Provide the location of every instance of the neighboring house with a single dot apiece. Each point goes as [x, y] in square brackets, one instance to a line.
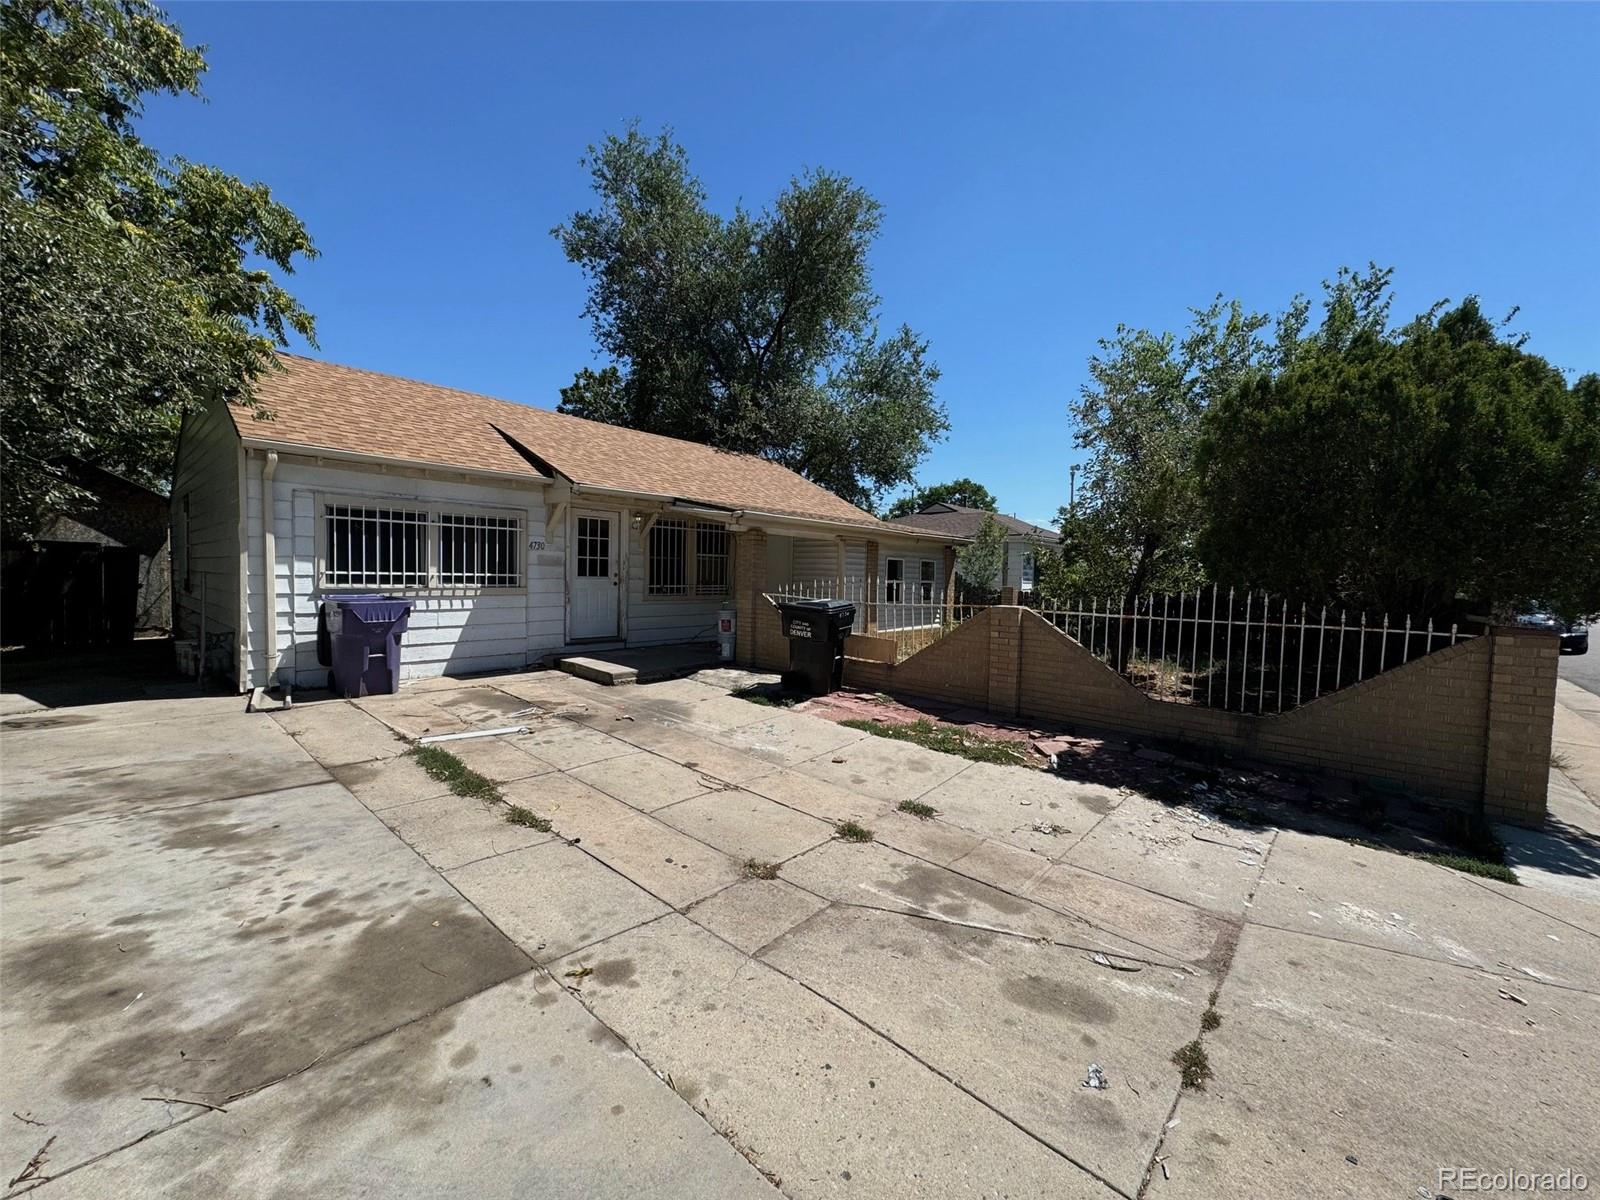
[953, 520]
[520, 532]
[92, 576]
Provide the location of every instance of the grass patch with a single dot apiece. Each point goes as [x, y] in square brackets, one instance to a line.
[945, 739]
[455, 774]
[1209, 1020]
[1480, 853]
[918, 809]
[852, 832]
[1468, 865]
[760, 870]
[518, 815]
[1193, 1065]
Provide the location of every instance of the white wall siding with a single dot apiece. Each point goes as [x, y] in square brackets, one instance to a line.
[205, 570]
[452, 631]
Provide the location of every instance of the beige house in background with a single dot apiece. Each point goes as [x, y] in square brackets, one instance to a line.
[954, 520]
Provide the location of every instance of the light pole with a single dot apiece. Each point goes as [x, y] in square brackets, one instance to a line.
[1072, 489]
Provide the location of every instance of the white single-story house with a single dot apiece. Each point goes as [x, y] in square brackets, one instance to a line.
[1017, 564]
[520, 533]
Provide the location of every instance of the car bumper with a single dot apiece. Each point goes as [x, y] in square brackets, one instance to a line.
[1575, 643]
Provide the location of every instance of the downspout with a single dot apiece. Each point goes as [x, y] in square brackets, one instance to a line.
[269, 564]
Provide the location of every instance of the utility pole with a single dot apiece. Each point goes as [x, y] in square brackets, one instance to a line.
[1072, 489]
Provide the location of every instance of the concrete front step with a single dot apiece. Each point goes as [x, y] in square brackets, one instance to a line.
[598, 671]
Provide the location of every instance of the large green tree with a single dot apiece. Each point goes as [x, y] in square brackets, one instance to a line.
[1399, 470]
[756, 332]
[966, 493]
[1137, 515]
[979, 562]
[134, 286]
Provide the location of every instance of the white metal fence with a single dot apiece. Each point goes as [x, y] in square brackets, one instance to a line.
[1248, 653]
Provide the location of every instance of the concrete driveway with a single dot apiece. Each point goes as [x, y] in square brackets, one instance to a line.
[390, 989]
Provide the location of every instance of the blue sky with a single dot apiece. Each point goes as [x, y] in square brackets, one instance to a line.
[1047, 171]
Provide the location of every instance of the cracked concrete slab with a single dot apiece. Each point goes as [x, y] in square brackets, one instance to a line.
[1009, 805]
[450, 831]
[644, 780]
[1333, 889]
[808, 1092]
[1343, 1071]
[499, 758]
[86, 766]
[385, 783]
[694, 751]
[753, 913]
[552, 899]
[1176, 851]
[746, 826]
[1015, 1022]
[466, 1085]
[202, 951]
[336, 733]
[822, 800]
[788, 738]
[565, 745]
[884, 768]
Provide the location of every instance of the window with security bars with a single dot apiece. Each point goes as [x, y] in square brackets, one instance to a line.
[479, 551]
[688, 559]
[593, 549]
[376, 547]
[367, 546]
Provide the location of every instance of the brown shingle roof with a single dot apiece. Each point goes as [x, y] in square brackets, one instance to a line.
[322, 405]
[959, 521]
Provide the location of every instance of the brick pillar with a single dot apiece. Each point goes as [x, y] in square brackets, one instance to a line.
[869, 623]
[1005, 660]
[1522, 706]
[949, 585]
[749, 584]
[1008, 595]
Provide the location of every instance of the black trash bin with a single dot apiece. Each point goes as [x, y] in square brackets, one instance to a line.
[364, 643]
[816, 630]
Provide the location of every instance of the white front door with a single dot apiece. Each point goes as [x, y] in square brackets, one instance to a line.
[595, 576]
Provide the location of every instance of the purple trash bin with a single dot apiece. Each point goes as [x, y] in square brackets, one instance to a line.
[364, 631]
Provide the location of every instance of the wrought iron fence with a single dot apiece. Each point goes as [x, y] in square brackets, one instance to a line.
[914, 614]
[1251, 653]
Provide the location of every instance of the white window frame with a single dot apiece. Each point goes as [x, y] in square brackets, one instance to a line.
[691, 563]
[434, 511]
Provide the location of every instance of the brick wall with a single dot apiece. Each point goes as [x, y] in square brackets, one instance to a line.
[1521, 710]
[1466, 723]
[758, 634]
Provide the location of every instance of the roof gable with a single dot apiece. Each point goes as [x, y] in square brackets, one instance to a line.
[321, 405]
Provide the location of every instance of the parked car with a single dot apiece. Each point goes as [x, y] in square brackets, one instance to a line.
[1574, 634]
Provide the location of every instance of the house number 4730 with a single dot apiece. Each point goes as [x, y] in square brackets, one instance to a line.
[536, 544]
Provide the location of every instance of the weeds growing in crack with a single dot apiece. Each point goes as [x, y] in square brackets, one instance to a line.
[918, 809]
[850, 831]
[526, 817]
[760, 870]
[455, 774]
[1193, 1065]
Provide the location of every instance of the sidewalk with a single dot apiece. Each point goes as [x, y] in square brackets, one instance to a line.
[1565, 856]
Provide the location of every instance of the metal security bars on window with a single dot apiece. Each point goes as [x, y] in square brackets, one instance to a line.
[405, 548]
[674, 572]
[376, 547]
[479, 551]
[1244, 652]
